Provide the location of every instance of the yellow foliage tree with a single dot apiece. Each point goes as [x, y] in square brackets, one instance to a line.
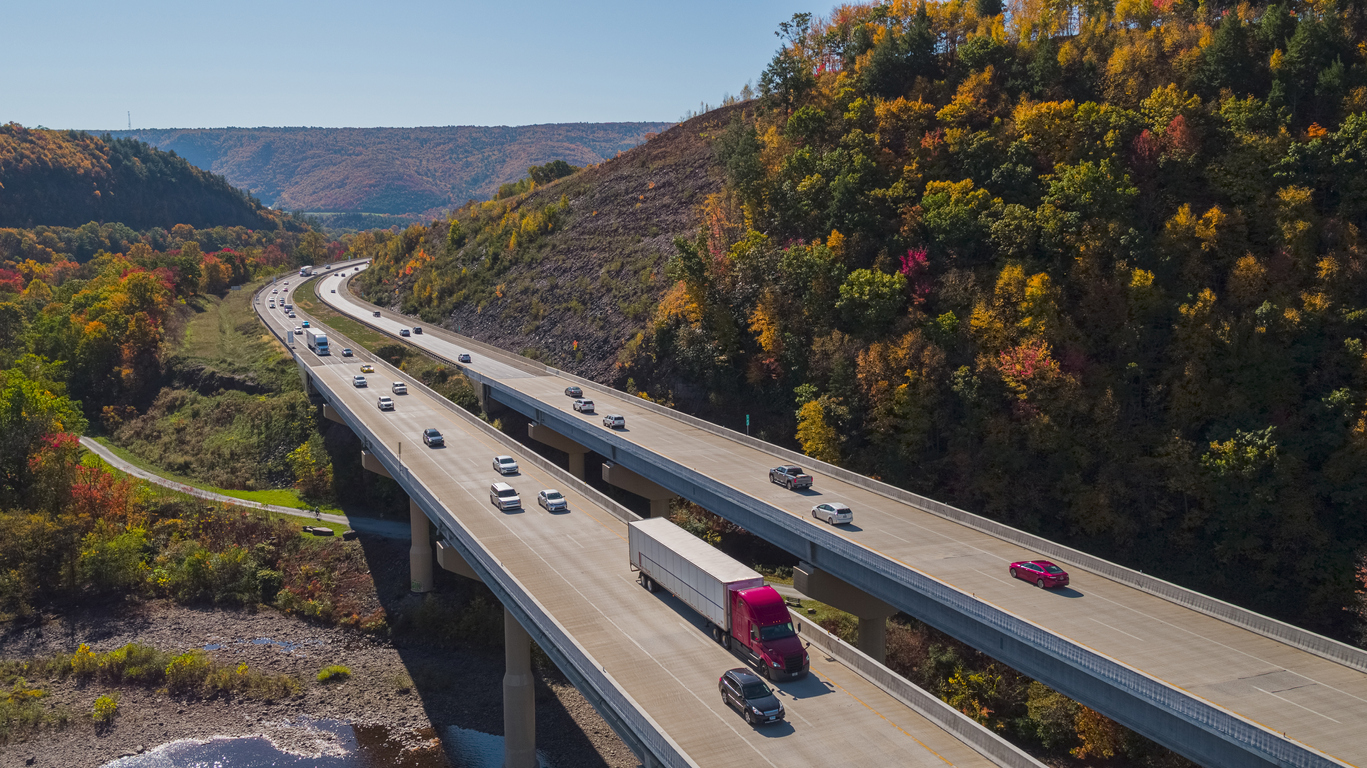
[816, 433]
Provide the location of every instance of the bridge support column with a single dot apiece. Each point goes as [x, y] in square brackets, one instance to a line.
[331, 414]
[659, 496]
[519, 701]
[449, 559]
[487, 403]
[372, 464]
[543, 434]
[872, 613]
[420, 552]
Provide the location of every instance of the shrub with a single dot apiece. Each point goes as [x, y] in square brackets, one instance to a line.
[111, 562]
[134, 663]
[333, 673]
[21, 710]
[188, 671]
[106, 707]
[85, 662]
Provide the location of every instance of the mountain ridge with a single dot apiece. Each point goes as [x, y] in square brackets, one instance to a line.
[397, 171]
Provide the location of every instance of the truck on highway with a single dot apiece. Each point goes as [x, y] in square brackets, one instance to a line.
[305, 271]
[742, 612]
[317, 341]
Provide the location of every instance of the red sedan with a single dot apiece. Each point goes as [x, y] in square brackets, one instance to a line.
[1041, 573]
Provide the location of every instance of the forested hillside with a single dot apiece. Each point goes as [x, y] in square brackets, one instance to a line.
[389, 170]
[67, 178]
[577, 259]
[1094, 271]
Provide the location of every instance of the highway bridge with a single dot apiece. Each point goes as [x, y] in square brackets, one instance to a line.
[1221, 685]
[643, 660]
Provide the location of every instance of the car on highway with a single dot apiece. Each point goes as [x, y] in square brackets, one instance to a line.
[403, 332]
[573, 392]
[463, 357]
[615, 421]
[400, 388]
[583, 406]
[552, 500]
[306, 324]
[290, 314]
[367, 368]
[298, 331]
[504, 496]
[790, 477]
[271, 304]
[334, 290]
[385, 402]
[1041, 573]
[742, 689]
[377, 314]
[505, 465]
[834, 513]
[358, 381]
[433, 438]
[275, 291]
[346, 351]
[417, 330]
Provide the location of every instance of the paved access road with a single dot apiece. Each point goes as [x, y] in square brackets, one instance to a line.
[1310, 699]
[576, 565]
[388, 529]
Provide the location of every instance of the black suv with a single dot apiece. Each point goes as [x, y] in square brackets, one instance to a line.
[742, 689]
[433, 438]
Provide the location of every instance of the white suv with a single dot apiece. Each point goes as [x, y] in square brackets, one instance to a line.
[505, 465]
[504, 496]
[583, 406]
[614, 421]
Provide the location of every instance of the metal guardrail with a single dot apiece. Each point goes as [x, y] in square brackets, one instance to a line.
[1280, 631]
[1227, 725]
[962, 727]
[568, 654]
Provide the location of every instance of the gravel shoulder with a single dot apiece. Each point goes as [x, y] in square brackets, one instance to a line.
[411, 690]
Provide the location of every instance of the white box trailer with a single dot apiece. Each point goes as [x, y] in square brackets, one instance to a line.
[689, 568]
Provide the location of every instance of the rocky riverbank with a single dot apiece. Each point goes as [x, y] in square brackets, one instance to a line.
[410, 689]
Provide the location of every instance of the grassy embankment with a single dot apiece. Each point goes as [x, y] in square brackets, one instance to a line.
[232, 410]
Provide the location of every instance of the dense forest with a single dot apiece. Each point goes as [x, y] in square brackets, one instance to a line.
[68, 178]
[1094, 271]
[389, 170]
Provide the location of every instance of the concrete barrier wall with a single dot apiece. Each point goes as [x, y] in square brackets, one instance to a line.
[638, 729]
[1278, 630]
[890, 580]
[967, 730]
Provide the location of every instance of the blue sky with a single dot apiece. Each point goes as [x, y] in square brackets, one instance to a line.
[194, 64]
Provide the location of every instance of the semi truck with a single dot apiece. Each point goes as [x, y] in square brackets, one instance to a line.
[317, 341]
[305, 271]
[742, 612]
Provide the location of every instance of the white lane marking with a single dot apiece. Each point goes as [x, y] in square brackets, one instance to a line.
[1117, 629]
[1294, 704]
[703, 439]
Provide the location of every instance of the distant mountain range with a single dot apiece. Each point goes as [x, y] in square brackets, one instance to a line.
[388, 170]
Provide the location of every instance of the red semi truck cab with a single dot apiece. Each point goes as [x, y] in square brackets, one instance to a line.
[761, 624]
[741, 611]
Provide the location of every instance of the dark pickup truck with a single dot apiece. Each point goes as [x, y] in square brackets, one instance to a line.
[790, 477]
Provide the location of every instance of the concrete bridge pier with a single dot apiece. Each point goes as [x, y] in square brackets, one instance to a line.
[545, 435]
[487, 403]
[419, 552]
[331, 414]
[872, 613]
[659, 496]
[519, 701]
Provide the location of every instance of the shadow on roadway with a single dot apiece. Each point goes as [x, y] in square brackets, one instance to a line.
[1065, 592]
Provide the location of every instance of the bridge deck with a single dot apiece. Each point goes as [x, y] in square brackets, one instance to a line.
[1310, 699]
[576, 565]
